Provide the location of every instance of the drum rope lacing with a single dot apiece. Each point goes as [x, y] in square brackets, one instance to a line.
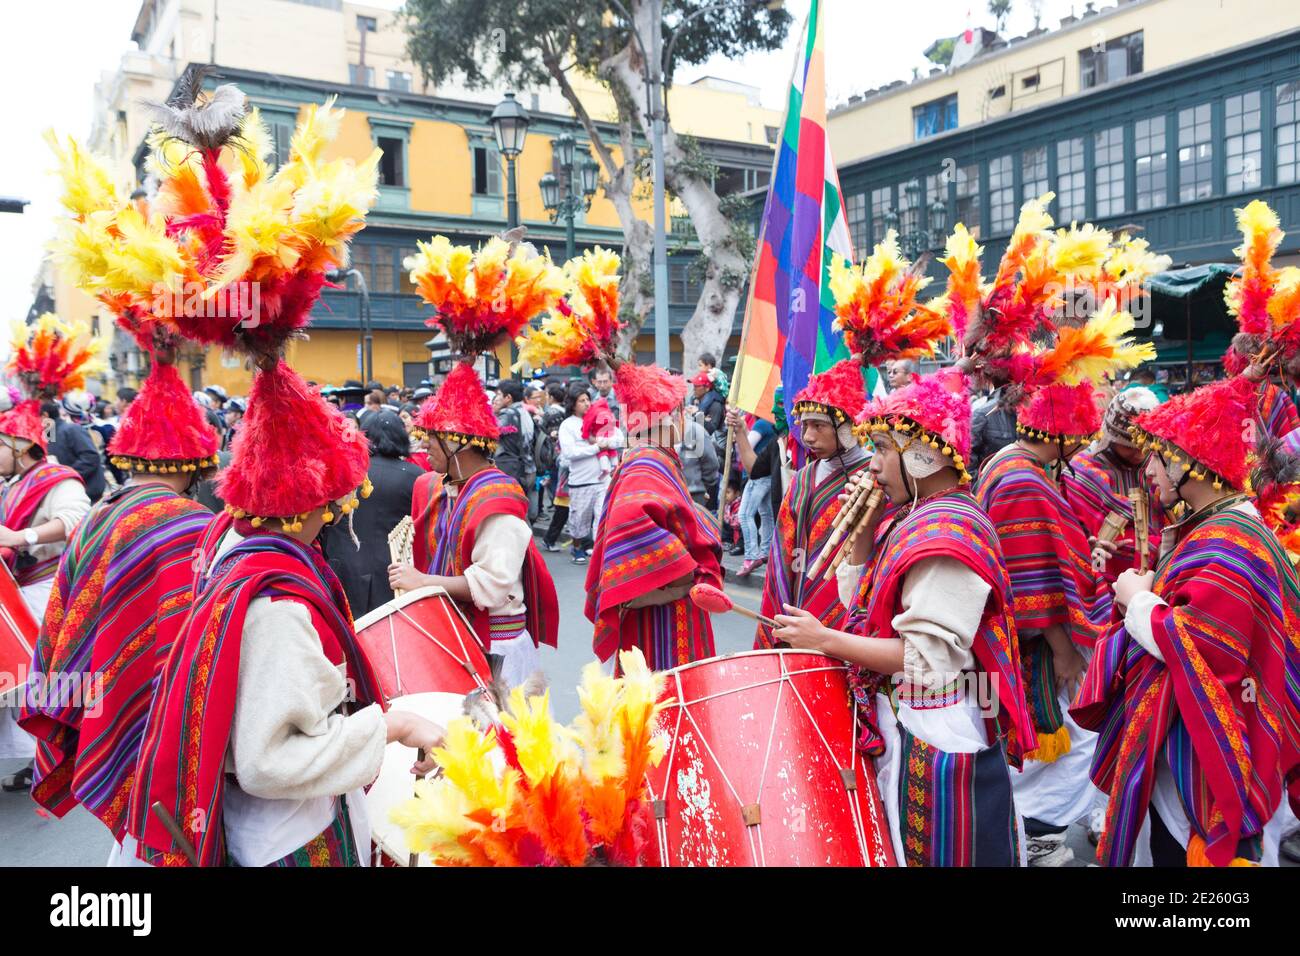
[397, 668]
[682, 705]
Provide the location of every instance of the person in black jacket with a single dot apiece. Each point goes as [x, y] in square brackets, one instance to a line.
[992, 429]
[514, 454]
[73, 446]
[712, 406]
[364, 570]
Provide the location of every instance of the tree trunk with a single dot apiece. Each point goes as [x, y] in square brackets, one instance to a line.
[709, 328]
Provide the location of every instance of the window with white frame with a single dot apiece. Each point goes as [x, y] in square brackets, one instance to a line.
[881, 200]
[1108, 170]
[1033, 173]
[1195, 154]
[1287, 132]
[1071, 185]
[1002, 194]
[855, 210]
[968, 198]
[1151, 160]
[1243, 143]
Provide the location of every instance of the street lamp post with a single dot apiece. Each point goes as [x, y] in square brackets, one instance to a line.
[564, 196]
[366, 358]
[510, 121]
[912, 239]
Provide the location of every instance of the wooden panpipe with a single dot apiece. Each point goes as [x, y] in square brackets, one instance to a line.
[848, 527]
[1141, 527]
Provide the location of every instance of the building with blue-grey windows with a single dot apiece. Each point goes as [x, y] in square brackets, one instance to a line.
[1170, 148]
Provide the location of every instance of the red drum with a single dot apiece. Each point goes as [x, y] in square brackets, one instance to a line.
[762, 769]
[18, 633]
[421, 643]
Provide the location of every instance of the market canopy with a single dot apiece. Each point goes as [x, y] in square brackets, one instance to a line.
[1186, 316]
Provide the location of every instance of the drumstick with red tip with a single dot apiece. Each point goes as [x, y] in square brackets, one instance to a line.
[715, 601]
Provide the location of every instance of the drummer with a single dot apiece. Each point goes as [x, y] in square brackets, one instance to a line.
[938, 584]
[267, 722]
[474, 518]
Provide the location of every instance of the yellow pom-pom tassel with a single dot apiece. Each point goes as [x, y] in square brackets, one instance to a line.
[257, 522]
[327, 517]
[1052, 747]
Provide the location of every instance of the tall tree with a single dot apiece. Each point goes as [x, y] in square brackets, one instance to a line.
[539, 42]
[1000, 9]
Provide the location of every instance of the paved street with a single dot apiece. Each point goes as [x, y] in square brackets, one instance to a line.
[27, 838]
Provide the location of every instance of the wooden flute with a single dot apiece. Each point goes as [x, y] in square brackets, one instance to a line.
[873, 502]
[1141, 527]
[844, 521]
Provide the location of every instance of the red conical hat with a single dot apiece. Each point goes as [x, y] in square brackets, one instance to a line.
[647, 394]
[24, 421]
[937, 405]
[460, 411]
[1206, 429]
[164, 429]
[294, 452]
[1068, 413]
[839, 392]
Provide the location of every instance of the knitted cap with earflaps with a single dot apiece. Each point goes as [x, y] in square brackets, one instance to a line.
[163, 429]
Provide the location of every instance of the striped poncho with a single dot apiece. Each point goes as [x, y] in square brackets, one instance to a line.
[1095, 484]
[652, 536]
[1223, 708]
[1052, 580]
[183, 755]
[952, 525]
[119, 599]
[803, 525]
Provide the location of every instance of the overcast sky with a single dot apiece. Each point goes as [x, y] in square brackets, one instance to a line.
[57, 49]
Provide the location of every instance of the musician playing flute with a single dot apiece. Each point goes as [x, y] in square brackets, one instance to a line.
[474, 518]
[931, 614]
[1193, 693]
[824, 412]
[1099, 482]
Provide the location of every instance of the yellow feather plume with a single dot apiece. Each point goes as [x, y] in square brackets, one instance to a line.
[147, 261]
[318, 128]
[1097, 349]
[465, 762]
[1079, 252]
[536, 738]
[436, 819]
[596, 729]
[88, 184]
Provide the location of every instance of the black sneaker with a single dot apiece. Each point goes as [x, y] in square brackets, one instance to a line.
[21, 782]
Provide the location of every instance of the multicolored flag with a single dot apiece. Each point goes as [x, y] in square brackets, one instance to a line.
[788, 331]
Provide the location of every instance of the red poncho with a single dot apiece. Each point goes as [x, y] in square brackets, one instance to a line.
[1223, 706]
[652, 536]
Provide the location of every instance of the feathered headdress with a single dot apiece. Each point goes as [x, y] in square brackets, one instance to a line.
[1276, 485]
[933, 409]
[1058, 381]
[49, 357]
[996, 320]
[1203, 431]
[164, 430]
[485, 298]
[876, 307]
[1096, 266]
[567, 796]
[583, 330]
[229, 254]
[1264, 299]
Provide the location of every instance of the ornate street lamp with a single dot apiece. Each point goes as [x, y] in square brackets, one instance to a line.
[510, 121]
[567, 195]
